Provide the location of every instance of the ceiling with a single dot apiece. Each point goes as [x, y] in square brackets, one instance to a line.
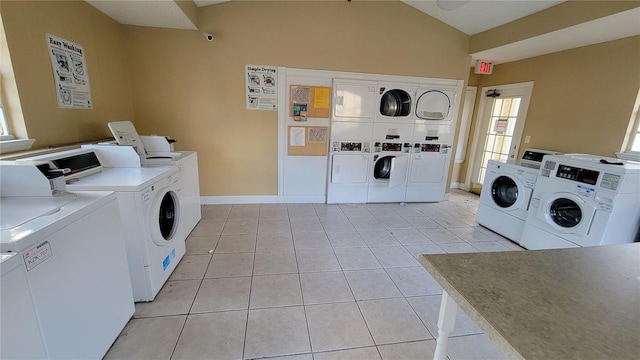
[468, 16]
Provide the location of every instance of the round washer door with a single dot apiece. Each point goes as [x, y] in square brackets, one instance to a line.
[382, 168]
[504, 191]
[433, 105]
[395, 102]
[565, 213]
[165, 217]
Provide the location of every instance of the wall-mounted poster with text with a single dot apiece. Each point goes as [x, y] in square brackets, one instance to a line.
[70, 73]
[262, 90]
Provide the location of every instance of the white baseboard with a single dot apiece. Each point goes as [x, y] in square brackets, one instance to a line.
[261, 199]
[455, 185]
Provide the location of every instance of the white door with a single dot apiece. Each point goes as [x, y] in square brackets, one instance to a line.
[349, 169]
[398, 174]
[501, 117]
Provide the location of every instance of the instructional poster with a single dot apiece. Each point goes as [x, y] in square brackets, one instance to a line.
[70, 73]
[262, 90]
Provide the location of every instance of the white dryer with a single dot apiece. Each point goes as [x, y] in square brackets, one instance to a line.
[583, 200]
[395, 102]
[428, 171]
[353, 100]
[389, 162]
[506, 193]
[348, 175]
[149, 209]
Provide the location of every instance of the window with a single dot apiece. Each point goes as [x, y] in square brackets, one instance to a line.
[631, 144]
[4, 131]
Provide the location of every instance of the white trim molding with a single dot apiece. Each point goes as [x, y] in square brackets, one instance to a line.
[261, 199]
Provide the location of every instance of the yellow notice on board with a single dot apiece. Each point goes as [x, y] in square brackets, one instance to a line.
[321, 98]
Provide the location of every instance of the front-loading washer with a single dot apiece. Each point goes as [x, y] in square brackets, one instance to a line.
[506, 194]
[149, 207]
[389, 162]
[583, 200]
[73, 250]
[395, 102]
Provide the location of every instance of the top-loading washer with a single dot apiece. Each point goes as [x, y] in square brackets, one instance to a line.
[73, 252]
[149, 210]
[353, 100]
[583, 200]
[506, 194]
[395, 102]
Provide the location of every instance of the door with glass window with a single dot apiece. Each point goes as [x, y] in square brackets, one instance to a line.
[501, 119]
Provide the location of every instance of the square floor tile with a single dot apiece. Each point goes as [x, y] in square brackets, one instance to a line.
[378, 238]
[417, 250]
[174, 298]
[371, 284]
[306, 223]
[428, 309]
[394, 256]
[404, 211]
[489, 246]
[201, 245]
[208, 228]
[345, 239]
[337, 326]
[274, 227]
[449, 221]
[356, 259]
[280, 213]
[274, 241]
[410, 237]
[325, 287]
[414, 281]
[411, 350]
[214, 215]
[275, 262]
[355, 211]
[337, 224]
[462, 247]
[236, 243]
[240, 227]
[366, 224]
[471, 234]
[212, 336]
[230, 265]
[392, 321]
[367, 353]
[152, 338]
[314, 260]
[310, 239]
[276, 332]
[275, 290]
[222, 294]
[243, 214]
[473, 347]
[441, 236]
[422, 222]
[191, 267]
[394, 222]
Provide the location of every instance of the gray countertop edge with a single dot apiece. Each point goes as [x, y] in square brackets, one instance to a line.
[488, 329]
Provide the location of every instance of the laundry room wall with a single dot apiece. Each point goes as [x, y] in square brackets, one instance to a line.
[582, 98]
[25, 24]
[194, 90]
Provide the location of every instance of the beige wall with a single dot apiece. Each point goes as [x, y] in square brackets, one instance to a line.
[194, 90]
[26, 23]
[582, 98]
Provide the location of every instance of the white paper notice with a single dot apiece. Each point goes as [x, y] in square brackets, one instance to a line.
[296, 136]
[70, 73]
[262, 91]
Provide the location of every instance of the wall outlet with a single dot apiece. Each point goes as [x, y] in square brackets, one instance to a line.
[527, 139]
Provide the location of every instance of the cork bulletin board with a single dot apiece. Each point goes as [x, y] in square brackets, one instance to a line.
[309, 102]
[307, 140]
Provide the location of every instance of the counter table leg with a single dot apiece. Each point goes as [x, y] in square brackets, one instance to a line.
[446, 323]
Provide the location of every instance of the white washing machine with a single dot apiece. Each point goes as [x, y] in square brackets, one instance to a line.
[395, 102]
[428, 171]
[506, 194]
[353, 100]
[349, 162]
[389, 162]
[435, 105]
[159, 151]
[21, 337]
[72, 248]
[583, 200]
[149, 209]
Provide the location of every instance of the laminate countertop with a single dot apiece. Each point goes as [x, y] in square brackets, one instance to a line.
[580, 303]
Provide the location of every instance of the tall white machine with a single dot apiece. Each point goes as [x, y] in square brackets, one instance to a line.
[350, 141]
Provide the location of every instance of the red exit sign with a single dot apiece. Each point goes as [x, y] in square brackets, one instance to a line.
[484, 67]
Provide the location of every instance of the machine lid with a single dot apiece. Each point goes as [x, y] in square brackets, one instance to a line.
[433, 105]
[20, 210]
[504, 191]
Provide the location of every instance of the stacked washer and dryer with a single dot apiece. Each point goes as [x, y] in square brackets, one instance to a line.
[390, 142]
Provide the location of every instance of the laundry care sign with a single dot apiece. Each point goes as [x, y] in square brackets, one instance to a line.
[262, 92]
[70, 73]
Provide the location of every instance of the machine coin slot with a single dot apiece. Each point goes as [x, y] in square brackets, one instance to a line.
[392, 137]
[351, 146]
[431, 138]
[391, 146]
[430, 148]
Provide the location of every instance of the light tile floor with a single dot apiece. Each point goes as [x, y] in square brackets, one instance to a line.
[312, 281]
